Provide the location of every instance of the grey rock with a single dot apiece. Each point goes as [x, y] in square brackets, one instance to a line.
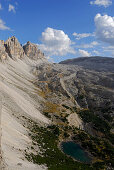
[14, 48]
[3, 54]
[32, 51]
[92, 63]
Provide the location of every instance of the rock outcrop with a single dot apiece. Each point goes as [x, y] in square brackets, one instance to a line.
[14, 48]
[32, 51]
[3, 54]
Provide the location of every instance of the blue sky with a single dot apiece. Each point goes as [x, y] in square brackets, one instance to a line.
[62, 28]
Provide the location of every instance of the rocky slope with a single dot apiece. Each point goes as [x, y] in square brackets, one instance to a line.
[67, 101]
[81, 96]
[82, 88]
[19, 101]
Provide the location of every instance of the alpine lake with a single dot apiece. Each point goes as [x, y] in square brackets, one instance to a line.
[74, 150]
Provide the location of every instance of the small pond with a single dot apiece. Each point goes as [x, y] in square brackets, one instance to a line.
[75, 151]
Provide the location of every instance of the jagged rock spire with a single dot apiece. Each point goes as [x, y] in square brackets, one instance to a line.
[32, 51]
[14, 48]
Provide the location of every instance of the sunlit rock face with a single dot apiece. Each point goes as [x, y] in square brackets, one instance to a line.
[14, 48]
[3, 54]
[32, 51]
[19, 102]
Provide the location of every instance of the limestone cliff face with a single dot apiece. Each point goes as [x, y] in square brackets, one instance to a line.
[3, 54]
[14, 48]
[32, 51]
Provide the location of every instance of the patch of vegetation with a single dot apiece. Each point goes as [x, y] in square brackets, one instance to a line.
[51, 107]
[48, 139]
[50, 155]
[111, 138]
[47, 114]
[101, 149]
[64, 119]
[67, 107]
[41, 93]
[108, 117]
[81, 96]
[66, 135]
[98, 124]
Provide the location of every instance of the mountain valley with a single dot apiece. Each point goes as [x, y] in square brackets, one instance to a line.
[43, 104]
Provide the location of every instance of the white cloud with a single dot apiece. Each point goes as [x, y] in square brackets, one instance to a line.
[84, 53]
[105, 28]
[91, 45]
[11, 8]
[104, 3]
[3, 26]
[96, 52]
[83, 35]
[108, 49]
[94, 43]
[1, 7]
[56, 42]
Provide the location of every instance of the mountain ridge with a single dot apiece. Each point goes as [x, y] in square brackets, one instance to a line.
[13, 49]
[93, 62]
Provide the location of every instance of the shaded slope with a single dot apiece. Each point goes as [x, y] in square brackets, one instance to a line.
[93, 63]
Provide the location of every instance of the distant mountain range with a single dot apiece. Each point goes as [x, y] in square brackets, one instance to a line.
[94, 63]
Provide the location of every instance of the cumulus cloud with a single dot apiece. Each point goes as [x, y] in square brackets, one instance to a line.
[84, 53]
[104, 3]
[11, 8]
[105, 28]
[3, 26]
[56, 42]
[83, 35]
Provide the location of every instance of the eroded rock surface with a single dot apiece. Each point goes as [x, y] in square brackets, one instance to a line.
[32, 51]
[19, 102]
[3, 54]
[14, 48]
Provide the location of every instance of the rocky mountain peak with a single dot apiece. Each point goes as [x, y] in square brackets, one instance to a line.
[32, 51]
[14, 48]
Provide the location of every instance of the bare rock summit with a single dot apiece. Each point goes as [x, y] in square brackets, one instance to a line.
[32, 51]
[14, 48]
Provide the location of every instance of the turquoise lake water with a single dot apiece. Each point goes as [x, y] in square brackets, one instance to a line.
[75, 151]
